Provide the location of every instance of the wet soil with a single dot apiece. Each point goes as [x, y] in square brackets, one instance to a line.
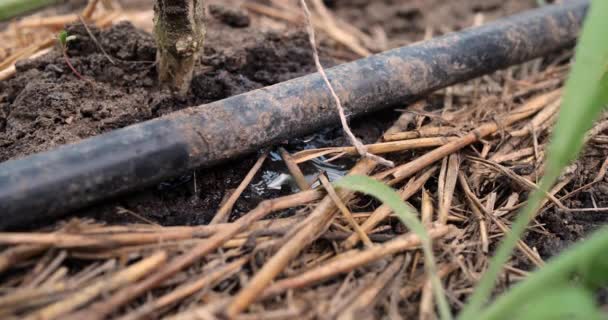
[47, 105]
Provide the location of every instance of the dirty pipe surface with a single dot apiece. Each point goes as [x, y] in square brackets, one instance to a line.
[46, 186]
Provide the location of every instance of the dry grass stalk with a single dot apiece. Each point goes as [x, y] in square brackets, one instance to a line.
[344, 210]
[338, 30]
[185, 290]
[87, 294]
[48, 269]
[426, 311]
[377, 148]
[353, 259]
[205, 312]
[272, 12]
[104, 308]
[223, 213]
[511, 205]
[55, 22]
[480, 132]
[481, 219]
[93, 271]
[335, 32]
[107, 19]
[16, 254]
[371, 294]
[26, 52]
[513, 156]
[88, 11]
[482, 215]
[448, 185]
[304, 233]
[535, 124]
[115, 238]
[531, 254]
[23, 298]
[597, 129]
[600, 176]
[529, 185]
[426, 208]
[424, 132]
[294, 170]
[384, 211]
[136, 251]
[418, 284]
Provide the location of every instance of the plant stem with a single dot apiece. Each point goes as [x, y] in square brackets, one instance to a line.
[12, 8]
[179, 29]
[66, 58]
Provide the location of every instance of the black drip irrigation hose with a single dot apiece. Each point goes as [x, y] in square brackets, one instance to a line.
[46, 186]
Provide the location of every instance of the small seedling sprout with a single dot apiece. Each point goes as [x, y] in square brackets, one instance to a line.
[63, 39]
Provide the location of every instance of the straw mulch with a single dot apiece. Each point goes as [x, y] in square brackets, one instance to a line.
[466, 157]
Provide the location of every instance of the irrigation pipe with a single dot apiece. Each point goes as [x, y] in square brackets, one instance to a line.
[46, 186]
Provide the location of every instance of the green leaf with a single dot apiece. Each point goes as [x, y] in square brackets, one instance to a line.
[63, 37]
[594, 272]
[567, 303]
[389, 197]
[574, 266]
[586, 92]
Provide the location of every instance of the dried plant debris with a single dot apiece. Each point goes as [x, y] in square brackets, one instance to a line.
[466, 158]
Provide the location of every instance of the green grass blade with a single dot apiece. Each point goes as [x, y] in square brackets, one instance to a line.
[389, 197]
[586, 260]
[585, 96]
[586, 92]
[567, 303]
[12, 8]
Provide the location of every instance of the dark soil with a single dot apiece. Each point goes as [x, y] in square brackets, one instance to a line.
[47, 105]
[566, 228]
